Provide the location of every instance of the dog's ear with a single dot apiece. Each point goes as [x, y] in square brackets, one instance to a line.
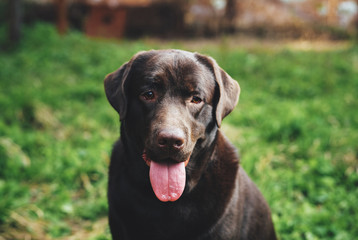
[115, 83]
[228, 89]
[114, 88]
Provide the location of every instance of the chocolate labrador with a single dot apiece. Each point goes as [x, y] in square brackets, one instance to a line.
[173, 174]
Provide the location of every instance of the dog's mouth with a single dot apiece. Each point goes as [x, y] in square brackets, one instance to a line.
[167, 178]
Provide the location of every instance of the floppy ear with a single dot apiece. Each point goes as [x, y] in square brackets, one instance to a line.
[114, 88]
[229, 89]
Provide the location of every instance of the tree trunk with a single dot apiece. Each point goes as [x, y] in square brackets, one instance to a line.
[230, 14]
[15, 11]
[62, 23]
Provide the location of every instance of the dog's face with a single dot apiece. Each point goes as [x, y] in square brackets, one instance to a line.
[169, 101]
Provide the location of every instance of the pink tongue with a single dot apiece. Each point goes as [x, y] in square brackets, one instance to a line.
[168, 180]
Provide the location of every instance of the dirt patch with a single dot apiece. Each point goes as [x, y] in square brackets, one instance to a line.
[253, 43]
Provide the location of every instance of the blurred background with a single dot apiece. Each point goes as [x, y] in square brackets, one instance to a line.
[188, 18]
[296, 124]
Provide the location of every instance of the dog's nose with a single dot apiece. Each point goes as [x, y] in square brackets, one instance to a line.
[171, 139]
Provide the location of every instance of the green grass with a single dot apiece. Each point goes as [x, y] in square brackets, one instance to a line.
[296, 126]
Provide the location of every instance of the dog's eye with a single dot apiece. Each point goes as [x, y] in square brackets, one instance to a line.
[196, 100]
[148, 96]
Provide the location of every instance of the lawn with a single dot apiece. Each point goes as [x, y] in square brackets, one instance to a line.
[296, 126]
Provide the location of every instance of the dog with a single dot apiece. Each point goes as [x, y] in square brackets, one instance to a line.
[173, 174]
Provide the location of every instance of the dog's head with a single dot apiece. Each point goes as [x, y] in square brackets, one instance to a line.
[170, 103]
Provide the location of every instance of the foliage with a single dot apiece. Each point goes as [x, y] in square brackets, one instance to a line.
[295, 125]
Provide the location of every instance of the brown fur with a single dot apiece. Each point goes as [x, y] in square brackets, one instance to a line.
[180, 97]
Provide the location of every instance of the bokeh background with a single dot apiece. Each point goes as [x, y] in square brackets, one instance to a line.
[296, 124]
